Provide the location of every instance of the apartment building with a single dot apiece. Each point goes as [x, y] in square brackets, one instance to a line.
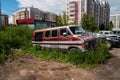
[115, 20]
[100, 10]
[4, 20]
[104, 13]
[38, 17]
[72, 11]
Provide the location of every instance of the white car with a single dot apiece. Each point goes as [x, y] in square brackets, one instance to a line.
[107, 33]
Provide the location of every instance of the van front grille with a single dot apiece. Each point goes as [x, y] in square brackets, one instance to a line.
[90, 45]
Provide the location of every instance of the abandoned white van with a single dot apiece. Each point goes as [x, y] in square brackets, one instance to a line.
[64, 38]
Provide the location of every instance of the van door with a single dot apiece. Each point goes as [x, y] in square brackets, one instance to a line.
[64, 38]
[54, 39]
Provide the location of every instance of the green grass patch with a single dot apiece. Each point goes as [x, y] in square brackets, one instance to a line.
[87, 60]
[13, 38]
[17, 41]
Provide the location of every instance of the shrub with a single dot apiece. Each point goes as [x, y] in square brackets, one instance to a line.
[20, 38]
[88, 59]
[14, 38]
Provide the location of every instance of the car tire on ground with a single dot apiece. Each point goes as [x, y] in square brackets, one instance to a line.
[74, 50]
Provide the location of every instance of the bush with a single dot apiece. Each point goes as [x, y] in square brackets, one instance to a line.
[13, 38]
[2, 27]
[20, 38]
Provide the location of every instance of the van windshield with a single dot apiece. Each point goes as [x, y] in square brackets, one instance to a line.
[76, 30]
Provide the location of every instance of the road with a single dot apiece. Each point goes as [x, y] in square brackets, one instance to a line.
[29, 68]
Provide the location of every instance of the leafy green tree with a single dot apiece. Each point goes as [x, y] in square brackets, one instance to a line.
[59, 20]
[62, 19]
[102, 27]
[84, 22]
[92, 24]
[88, 23]
[110, 25]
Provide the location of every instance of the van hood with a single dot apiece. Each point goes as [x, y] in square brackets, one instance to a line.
[86, 37]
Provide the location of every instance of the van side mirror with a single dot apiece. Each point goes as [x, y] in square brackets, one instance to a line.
[64, 34]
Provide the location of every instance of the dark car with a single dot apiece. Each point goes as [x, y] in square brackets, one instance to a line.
[99, 36]
[116, 32]
[112, 39]
[108, 36]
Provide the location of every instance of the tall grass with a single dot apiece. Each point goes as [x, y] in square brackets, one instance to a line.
[88, 59]
[20, 38]
[13, 38]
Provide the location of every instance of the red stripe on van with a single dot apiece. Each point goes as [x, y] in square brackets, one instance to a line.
[58, 44]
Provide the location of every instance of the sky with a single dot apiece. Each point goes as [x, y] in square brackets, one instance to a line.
[57, 6]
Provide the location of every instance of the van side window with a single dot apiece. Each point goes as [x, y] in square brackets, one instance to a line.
[38, 36]
[54, 33]
[64, 30]
[47, 34]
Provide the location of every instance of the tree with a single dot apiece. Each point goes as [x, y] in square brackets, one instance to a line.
[102, 27]
[59, 20]
[62, 19]
[92, 24]
[88, 23]
[110, 26]
[84, 22]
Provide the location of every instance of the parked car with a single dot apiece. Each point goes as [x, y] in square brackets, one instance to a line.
[116, 32]
[112, 39]
[99, 36]
[65, 38]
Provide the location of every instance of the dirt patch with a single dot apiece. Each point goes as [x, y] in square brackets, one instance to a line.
[29, 68]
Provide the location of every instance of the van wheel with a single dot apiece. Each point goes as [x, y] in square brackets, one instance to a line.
[109, 44]
[74, 50]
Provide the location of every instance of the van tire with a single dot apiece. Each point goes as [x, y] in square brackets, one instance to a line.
[74, 50]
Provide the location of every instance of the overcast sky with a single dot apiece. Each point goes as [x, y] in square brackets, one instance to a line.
[58, 6]
[115, 6]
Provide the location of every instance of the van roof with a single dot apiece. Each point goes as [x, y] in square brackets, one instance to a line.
[54, 28]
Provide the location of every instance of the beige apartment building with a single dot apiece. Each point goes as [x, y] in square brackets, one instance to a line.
[100, 10]
[38, 15]
[115, 20]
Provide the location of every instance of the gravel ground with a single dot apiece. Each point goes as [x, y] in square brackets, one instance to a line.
[29, 68]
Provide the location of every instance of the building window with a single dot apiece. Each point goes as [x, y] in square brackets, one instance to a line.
[72, 11]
